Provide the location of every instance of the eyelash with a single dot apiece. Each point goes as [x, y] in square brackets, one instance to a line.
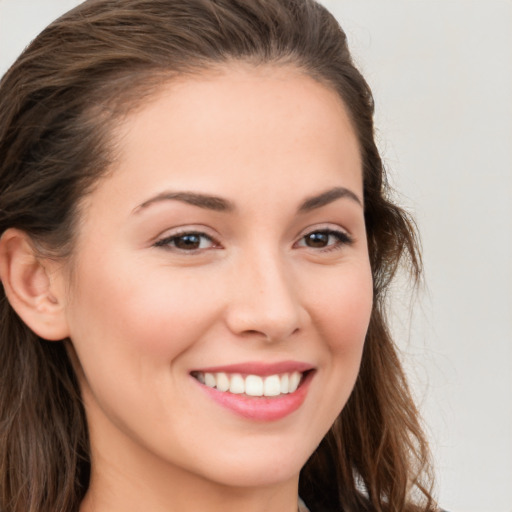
[169, 242]
[342, 239]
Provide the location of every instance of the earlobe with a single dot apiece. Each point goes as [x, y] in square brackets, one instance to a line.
[30, 287]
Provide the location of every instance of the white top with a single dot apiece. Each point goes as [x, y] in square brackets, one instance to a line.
[302, 506]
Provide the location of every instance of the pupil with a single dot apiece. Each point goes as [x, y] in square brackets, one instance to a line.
[317, 239]
[188, 242]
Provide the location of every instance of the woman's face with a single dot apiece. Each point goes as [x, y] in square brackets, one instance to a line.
[221, 261]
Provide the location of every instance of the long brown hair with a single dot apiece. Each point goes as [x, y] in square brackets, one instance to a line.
[58, 104]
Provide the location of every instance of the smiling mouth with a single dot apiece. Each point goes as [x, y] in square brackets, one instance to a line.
[252, 385]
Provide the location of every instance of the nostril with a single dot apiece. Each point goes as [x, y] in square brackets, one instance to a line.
[256, 333]
[268, 336]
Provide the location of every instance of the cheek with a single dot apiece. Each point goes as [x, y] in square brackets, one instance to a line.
[129, 333]
[344, 308]
[139, 312]
[129, 328]
[342, 313]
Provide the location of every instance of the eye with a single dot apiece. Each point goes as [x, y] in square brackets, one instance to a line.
[325, 239]
[187, 241]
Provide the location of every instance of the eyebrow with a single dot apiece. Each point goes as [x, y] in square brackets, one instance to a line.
[205, 201]
[219, 204]
[328, 197]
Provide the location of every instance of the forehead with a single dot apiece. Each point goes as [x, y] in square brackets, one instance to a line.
[237, 127]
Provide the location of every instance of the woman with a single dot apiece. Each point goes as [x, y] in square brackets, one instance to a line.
[197, 242]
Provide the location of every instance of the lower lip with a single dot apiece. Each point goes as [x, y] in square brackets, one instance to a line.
[261, 408]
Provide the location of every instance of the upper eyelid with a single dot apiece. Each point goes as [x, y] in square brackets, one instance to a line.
[324, 227]
[185, 230]
[184, 233]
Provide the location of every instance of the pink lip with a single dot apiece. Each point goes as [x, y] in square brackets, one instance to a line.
[258, 368]
[260, 408]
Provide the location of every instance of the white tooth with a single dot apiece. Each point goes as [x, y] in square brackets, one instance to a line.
[222, 382]
[253, 385]
[272, 385]
[294, 381]
[209, 380]
[200, 377]
[285, 379]
[237, 384]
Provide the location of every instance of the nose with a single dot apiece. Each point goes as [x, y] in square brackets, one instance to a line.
[264, 301]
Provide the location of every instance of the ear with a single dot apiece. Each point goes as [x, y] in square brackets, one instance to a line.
[33, 286]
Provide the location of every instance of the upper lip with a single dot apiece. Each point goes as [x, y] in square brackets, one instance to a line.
[259, 368]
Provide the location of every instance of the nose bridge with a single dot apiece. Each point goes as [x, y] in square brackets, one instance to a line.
[265, 301]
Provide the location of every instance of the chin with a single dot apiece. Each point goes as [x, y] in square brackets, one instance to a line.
[259, 468]
[257, 475]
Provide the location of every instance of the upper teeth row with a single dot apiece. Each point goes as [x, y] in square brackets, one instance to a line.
[252, 385]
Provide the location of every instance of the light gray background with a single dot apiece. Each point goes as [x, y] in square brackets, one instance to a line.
[441, 72]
